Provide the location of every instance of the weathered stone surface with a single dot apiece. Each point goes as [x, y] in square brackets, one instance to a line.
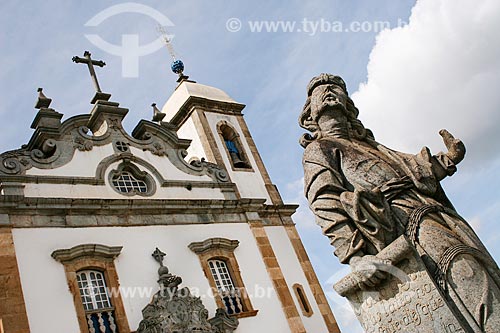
[407, 301]
[176, 310]
[417, 265]
[12, 307]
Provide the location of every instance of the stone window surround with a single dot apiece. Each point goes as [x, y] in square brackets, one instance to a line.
[98, 257]
[128, 166]
[223, 249]
[236, 139]
[301, 296]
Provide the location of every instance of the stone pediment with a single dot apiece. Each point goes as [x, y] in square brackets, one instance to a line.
[83, 149]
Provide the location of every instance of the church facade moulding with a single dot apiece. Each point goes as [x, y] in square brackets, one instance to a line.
[54, 145]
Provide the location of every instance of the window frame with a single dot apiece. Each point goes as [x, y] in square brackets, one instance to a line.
[98, 277]
[138, 174]
[302, 299]
[223, 249]
[95, 257]
[226, 289]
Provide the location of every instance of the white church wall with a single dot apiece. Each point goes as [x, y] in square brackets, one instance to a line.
[48, 299]
[250, 184]
[293, 273]
[83, 164]
[166, 168]
[106, 191]
[188, 131]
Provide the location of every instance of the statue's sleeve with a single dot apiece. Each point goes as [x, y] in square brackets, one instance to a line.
[323, 186]
[424, 169]
[447, 165]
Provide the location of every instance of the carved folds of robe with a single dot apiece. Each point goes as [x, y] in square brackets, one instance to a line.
[365, 195]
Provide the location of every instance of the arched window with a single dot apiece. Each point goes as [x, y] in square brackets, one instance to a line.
[125, 182]
[129, 180]
[233, 146]
[229, 294]
[96, 301]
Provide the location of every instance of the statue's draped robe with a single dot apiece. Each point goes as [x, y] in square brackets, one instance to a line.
[364, 196]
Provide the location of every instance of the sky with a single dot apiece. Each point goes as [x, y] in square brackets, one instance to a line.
[411, 67]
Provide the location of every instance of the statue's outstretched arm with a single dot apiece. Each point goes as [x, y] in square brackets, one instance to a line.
[444, 164]
[456, 148]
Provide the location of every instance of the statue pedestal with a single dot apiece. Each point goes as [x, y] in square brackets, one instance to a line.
[407, 301]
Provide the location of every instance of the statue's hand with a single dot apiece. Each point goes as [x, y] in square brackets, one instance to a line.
[456, 148]
[369, 270]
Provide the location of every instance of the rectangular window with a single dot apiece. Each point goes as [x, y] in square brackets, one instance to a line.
[96, 302]
[225, 286]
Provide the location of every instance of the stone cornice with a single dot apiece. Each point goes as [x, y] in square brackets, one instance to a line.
[23, 212]
[38, 203]
[194, 102]
[214, 243]
[86, 250]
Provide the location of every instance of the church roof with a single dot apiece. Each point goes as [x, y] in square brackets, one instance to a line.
[188, 90]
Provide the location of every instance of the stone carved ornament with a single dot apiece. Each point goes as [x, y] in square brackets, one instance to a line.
[384, 208]
[53, 143]
[174, 310]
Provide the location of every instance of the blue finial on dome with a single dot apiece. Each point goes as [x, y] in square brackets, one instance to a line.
[177, 67]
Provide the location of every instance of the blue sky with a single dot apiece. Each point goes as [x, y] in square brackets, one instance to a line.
[440, 70]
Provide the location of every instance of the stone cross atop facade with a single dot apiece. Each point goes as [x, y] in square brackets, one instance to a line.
[158, 255]
[91, 63]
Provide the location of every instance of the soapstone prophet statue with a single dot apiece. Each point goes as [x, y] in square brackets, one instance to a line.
[365, 195]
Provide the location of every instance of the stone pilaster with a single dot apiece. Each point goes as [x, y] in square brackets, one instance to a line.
[312, 279]
[12, 307]
[276, 274]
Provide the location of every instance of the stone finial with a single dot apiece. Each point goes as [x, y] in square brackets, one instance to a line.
[46, 117]
[166, 280]
[43, 102]
[158, 255]
[176, 310]
[157, 114]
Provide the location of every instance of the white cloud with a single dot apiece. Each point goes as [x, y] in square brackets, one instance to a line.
[442, 70]
[475, 223]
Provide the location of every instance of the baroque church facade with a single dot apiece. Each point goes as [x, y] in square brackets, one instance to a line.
[101, 230]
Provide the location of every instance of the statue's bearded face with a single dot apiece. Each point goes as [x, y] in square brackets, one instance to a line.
[328, 97]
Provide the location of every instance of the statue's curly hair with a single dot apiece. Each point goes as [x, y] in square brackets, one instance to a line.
[355, 127]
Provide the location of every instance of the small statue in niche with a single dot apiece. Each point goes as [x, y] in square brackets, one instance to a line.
[365, 195]
[234, 153]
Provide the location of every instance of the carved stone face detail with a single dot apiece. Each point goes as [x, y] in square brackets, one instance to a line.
[328, 103]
